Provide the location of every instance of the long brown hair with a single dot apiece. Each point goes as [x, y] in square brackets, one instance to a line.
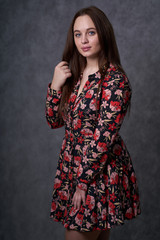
[109, 50]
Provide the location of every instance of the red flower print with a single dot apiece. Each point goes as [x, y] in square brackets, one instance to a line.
[77, 158]
[80, 139]
[57, 185]
[71, 137]
[107, 192]
[95, 166]
[80, 171]
[88, 95]
[65, 213]
[94, 219]
[127, 194]
[121, 84]
[113, 163]
[78, 124]
[103, 158]
[117, 149]
[59, 215]
[112, 197]
[118, 118]
[126, 96]
[85, 181]
[125, 182]
[53, 206]
[104, 215]
[94, 215]
[93, 101]
[103, 199]
[70, 175]
[80, 114]
[114, 178]
[88, 199]
[129, 213]
[87, 83]
[135, 197]
[63, 195]
[107, 79]
[111, 207]
[73, 98]
[115, 106]
[133, 178]
[50, 112]
[66, 158]
[72, 211]
[105, 178]
[86, 132]
[63, 175]
[80, 216]
[55, 100]
[93, 104]
[106, 94]
[96, 135]
[63, 144]
[102, 145]
[61, 165]
[112, 127]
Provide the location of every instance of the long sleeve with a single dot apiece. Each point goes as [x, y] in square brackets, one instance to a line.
[116, 95]
[51, 110]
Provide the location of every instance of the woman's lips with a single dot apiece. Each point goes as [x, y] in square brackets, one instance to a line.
[85, 49]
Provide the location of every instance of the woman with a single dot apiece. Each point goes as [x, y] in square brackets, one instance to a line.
[95, 186]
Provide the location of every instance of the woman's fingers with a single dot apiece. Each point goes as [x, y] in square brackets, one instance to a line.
[76, 200]
[78, 197]
[65, 67]
[84, 198]
[61, 73]
[62, 63]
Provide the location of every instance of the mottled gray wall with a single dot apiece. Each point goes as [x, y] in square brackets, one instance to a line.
[33, 34]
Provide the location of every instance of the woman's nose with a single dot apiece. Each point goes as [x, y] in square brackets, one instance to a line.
[84, 39]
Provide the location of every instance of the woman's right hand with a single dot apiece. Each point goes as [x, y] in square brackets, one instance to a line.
[61, 73]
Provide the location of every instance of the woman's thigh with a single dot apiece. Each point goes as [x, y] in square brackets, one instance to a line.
[72, 234]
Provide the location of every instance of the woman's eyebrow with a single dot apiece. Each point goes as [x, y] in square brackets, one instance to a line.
[86, 29]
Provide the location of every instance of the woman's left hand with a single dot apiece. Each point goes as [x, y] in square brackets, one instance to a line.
[79, 195]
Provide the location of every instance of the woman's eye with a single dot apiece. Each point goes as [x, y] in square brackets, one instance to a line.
[91, 33]
[77, 34]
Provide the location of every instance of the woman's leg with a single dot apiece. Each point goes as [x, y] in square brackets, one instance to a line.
[104, 235]
[72, 235]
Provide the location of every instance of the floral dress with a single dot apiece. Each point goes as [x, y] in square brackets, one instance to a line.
[93, 156]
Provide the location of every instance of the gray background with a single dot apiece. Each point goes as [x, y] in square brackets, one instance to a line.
[33, 34]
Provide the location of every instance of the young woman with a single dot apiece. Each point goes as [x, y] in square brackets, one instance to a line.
[95, 186]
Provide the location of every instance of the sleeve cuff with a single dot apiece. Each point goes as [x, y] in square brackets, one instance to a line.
[52, 91]
[82, 186]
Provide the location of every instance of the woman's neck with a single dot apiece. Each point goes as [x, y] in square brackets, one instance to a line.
[92, 65]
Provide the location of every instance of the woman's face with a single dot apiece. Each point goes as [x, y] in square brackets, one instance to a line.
[86, 37]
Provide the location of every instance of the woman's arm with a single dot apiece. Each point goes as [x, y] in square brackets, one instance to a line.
[51, 110]
[116, 95]
[54, 93]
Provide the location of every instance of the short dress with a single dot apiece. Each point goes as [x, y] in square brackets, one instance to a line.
[93, 155]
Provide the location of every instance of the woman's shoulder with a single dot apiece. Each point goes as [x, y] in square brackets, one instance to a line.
[115, 76]
[115, 71]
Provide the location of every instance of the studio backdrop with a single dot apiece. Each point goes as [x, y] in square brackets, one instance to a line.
[33, 34]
